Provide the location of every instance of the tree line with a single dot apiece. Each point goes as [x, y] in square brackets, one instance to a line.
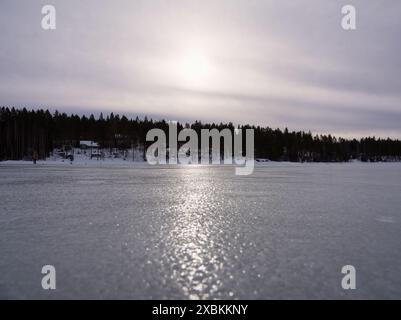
[24, 132]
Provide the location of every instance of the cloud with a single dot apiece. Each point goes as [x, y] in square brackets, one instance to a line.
[286, 63]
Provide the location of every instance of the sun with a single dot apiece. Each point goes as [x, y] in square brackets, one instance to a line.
[195, 66]
[194, 69]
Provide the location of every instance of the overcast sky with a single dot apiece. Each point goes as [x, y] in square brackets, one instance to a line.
[284, 63]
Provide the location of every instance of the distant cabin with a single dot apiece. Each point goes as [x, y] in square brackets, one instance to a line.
[86, 144]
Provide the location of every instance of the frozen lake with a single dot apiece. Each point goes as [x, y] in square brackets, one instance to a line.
[201, 232]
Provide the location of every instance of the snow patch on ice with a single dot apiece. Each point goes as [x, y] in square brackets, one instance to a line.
[385, 219]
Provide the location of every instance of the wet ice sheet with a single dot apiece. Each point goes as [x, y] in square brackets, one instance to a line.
[201, 232]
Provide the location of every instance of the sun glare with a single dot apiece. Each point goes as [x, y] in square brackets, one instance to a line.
[194, 69]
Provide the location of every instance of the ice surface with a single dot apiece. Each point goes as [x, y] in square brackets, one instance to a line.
[198, 232]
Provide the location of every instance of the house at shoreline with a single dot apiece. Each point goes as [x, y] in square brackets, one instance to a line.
[91, 146]
[87, 144]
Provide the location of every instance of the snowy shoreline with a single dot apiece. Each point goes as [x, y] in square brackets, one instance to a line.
[129, 163]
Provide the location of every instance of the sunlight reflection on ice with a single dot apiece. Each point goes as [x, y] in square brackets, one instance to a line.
[194, 228]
